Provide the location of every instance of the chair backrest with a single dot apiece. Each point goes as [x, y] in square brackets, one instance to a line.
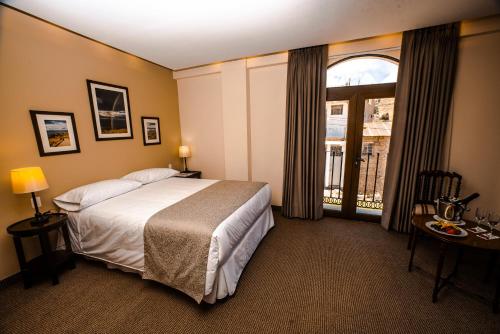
[436, 183]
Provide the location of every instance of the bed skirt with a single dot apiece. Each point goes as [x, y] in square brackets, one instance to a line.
[229, 272]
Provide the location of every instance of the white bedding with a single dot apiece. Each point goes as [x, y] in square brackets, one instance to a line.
[113, 230]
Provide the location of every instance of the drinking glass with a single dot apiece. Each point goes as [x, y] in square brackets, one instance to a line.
[481, 216]
[492, 222]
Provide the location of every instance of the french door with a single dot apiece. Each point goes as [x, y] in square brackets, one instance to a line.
[359, 122]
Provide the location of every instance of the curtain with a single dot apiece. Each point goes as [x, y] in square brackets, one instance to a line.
[304, 166]
[423, 98]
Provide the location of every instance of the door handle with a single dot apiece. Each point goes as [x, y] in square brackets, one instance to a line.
[358, 161]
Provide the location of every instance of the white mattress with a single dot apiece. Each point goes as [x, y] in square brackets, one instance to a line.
[112, 230]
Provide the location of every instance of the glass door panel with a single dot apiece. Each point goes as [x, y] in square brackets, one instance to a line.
[337, 113]
[377, 123]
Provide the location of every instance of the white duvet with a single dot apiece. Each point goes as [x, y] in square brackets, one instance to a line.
[113, 230]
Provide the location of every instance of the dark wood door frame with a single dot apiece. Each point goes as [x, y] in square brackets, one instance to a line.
[356, 96]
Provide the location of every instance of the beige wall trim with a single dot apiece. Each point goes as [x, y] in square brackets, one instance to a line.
[198, 71]
[485, 25]
[226, 60]
[381, 44]
[275, 59]
[481, 33]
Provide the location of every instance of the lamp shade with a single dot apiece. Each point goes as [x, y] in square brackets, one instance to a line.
[184, 152]
[27, 180]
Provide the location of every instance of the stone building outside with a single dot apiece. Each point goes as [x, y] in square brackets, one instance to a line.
[376, 138]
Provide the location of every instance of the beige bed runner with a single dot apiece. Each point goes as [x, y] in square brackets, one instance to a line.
[177, 238]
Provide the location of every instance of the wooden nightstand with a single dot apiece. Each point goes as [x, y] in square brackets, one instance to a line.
[51, 261]
[192, 174]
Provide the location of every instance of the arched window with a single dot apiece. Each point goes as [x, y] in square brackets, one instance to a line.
[362, 70]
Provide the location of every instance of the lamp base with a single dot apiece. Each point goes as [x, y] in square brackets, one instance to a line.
[186, 170]
[39, 220]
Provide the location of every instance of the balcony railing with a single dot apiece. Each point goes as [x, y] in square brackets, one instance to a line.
[367, 188]
[333, 177]
[370, 181]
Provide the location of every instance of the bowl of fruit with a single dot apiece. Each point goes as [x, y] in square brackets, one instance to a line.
[448, 229]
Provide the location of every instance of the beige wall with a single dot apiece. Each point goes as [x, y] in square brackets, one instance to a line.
[475, 126]
[43, 67]
[214, 119]
[475, 133]
[263, 132]
[234, 119]
[267, 86]
[200, 107]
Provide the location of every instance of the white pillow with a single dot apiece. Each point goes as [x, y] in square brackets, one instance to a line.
[149, 175]
[93, 193]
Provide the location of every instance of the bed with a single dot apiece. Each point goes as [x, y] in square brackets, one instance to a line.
[113, 231]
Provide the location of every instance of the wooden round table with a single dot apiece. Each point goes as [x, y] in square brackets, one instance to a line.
[470, 241]
[51, 260]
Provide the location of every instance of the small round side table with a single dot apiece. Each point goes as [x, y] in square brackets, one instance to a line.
[51, 261]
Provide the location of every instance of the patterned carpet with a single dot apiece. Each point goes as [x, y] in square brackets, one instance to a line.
[331, 276]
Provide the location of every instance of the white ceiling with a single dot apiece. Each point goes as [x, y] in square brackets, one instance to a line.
[184, 33]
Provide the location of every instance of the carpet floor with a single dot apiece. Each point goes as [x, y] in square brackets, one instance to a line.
[330, 276]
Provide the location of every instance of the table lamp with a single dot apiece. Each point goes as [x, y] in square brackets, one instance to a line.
[184, 152]
[29, 180]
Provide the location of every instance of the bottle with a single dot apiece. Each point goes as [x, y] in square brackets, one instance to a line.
[463, 202]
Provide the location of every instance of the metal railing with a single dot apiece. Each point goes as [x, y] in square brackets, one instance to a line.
[333, 181]
[338, 186]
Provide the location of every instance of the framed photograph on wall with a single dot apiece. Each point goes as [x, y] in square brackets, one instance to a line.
[151, 130]
[55, 132]
[110, 111]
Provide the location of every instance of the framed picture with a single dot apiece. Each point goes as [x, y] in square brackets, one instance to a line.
[55, 132]
[151, 130]
[110, 111]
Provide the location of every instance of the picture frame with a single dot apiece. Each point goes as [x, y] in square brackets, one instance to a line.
[151, 130]
[110, 107]
[55, 132]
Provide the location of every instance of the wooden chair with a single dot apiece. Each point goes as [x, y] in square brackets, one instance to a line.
[430, 186]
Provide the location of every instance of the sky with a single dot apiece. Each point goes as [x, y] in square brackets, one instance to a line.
[55, 125]
[361, 71]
